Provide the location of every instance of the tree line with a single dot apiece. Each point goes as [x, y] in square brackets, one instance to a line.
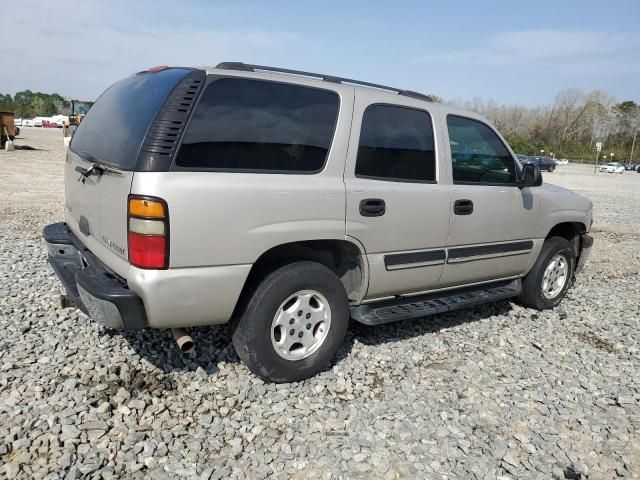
[28, 104]
[570, 127]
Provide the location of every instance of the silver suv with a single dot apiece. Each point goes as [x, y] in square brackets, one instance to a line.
[289, 202]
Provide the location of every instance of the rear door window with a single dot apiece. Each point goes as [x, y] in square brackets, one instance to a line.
[396, 144]
[115, 127]
[477, 153]
[260, 126]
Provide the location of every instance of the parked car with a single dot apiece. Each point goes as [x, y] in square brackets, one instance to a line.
[562, 161]
[17, 122]
[27, 122]
[630, 166]
[613, 167]
[288, 202]
[543, 163]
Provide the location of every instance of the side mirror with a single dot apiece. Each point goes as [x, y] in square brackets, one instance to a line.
[531, 176]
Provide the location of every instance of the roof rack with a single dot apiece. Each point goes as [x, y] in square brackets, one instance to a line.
[246, 67]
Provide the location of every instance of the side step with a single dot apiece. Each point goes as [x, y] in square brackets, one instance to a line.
[405, 308]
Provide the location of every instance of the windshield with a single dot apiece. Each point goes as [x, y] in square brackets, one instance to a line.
[116, 125]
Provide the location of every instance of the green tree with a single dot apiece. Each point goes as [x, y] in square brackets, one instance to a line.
[6, 102]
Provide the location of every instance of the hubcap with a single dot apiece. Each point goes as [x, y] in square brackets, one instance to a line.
[555, 277]
[301, 325]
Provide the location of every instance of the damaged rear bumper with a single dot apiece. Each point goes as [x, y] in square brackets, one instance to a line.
[95, 289]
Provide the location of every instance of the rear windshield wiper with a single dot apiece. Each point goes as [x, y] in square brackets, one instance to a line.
[97, 167]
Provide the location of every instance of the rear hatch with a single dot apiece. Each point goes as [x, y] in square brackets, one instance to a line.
[102, 159]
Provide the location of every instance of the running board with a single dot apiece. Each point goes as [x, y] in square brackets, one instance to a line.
[405, 308]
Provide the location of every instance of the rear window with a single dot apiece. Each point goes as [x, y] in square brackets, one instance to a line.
[260, 126]
[396, 144]
[115, 127]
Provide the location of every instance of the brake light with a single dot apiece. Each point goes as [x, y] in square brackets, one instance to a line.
[157, 68]
[148, 232]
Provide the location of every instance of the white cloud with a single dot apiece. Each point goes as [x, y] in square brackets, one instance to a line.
[79, 48]
[562, 49]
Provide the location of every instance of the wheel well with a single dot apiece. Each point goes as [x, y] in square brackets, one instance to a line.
[570, 231]
[340, 256]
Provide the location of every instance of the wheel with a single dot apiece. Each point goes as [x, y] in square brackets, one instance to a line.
[294, 323]
[549, 279]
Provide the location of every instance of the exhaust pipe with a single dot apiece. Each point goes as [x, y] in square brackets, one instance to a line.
[184, 341]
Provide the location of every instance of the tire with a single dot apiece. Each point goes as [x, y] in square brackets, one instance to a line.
[533, 294]
[260, 326]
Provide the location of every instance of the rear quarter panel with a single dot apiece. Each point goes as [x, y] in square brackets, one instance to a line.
[232, 218]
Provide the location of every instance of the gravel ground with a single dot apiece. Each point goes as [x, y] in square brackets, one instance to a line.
[497, 391]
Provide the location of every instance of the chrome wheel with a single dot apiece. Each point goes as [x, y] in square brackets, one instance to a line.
[301, 324]
[555, 276]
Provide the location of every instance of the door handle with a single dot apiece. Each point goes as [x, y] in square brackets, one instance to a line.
[463, 207]
[372, 207]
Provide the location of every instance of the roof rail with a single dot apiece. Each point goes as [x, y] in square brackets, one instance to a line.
[246, 67]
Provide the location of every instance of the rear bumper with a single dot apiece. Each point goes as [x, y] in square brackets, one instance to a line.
[586, 242]
[95, 289]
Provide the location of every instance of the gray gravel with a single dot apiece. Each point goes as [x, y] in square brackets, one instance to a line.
[492, 392]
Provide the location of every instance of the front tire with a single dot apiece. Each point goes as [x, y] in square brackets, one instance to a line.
[294, 323]
[546, 284]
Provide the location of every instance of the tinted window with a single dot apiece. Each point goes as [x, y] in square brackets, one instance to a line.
[396, 143]
[242, 124]
[477, 153]
[114, 128]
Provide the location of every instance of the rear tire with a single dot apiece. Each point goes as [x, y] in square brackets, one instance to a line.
[546, 284]
[294, 323]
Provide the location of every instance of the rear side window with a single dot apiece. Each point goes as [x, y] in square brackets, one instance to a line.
[396, 144]
[259, 126]
[477, 153]
[115, 127]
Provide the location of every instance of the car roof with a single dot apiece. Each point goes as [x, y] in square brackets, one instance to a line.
[386, 94]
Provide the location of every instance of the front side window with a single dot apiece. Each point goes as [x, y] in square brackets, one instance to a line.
[259, 126]
[477, 154]
[396, 144]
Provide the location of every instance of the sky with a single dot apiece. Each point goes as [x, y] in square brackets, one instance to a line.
[513, 52]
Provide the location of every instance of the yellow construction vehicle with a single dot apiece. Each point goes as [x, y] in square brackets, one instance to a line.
[79, 109]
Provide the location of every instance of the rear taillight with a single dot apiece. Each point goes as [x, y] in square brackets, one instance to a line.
[148, 232]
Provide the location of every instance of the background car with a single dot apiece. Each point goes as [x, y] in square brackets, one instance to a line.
[612, 167]
[543, 163]
[630, 166]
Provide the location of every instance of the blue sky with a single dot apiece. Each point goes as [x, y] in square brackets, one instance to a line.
[508, 51]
